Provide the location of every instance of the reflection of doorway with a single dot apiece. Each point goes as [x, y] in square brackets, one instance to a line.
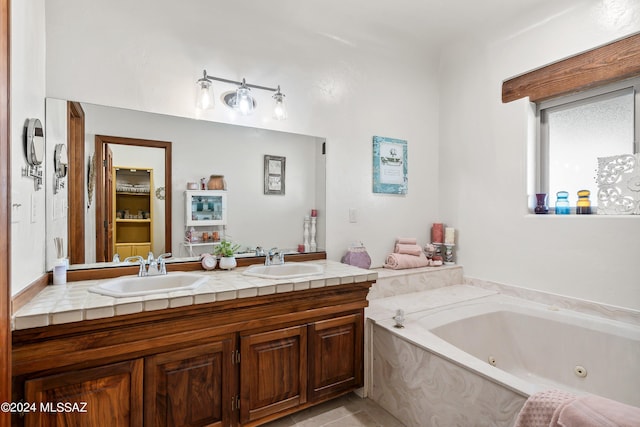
[104, 219]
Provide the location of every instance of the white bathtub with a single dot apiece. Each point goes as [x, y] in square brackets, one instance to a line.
[519, 346]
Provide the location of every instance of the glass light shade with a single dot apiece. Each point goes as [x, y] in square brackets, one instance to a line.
[244, 101]
[204, 94]
[279, 109]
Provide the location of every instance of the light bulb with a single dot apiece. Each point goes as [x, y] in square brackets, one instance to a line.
[244, 101]
[204, 95]
[279, 109]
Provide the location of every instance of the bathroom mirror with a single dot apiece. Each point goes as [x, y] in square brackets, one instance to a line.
[34, 142]
[199, 149]
[60, 160]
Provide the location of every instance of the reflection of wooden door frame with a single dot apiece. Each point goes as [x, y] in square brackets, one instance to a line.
[108, 201]
[101, 215]
[5, 215]
[77, 163]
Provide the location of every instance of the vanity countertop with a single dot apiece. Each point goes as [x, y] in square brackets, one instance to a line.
[73, 302]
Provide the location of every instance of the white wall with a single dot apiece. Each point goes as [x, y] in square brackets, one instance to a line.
[467, 151]
[27, 101]
[147, 57]
[483, 156]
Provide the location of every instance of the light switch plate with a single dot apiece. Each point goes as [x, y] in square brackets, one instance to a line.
[16, 204]
[33, 208]
[353, 215]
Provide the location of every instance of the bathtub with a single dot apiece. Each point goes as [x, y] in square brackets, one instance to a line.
[475, 362]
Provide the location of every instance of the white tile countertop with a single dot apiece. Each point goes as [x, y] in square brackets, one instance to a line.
[73, 302]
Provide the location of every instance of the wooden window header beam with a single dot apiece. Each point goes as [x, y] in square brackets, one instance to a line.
[612, 62]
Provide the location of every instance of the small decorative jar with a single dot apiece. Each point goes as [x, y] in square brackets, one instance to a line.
[216, 182]
[584, 204]
[541, 204]
[562, 203]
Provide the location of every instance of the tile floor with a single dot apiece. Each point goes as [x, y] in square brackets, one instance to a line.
[346, 411]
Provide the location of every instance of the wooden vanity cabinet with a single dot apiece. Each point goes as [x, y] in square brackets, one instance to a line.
[273, 374]
[241, 362]
[190, 387]
[290, 367]
[109, 395]
[336, 349]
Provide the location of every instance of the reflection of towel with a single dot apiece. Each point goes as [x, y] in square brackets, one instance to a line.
[408, 249]
[557, 408]
[407, 240]
[401, 261]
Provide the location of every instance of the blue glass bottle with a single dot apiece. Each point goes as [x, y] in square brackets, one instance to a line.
[562, 203]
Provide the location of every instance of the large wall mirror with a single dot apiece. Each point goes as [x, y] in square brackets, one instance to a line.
[176, 151]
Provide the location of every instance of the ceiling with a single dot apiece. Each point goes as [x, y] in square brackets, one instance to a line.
[368, 24]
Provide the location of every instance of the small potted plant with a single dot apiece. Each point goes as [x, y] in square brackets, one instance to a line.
[226, 250]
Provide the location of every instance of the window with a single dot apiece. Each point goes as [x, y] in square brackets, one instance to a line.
[575, 130]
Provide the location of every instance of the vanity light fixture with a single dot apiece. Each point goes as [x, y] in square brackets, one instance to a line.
[240, 100]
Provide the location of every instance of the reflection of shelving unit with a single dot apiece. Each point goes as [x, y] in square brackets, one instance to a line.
[206, 212]
[132, 212]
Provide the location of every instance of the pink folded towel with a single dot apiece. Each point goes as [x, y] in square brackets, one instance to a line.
[597, 411]
[402, 248]
[401, 261]
[407, 240]
[558, 408]
[539, 408]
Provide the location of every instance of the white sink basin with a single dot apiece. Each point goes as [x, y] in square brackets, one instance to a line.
[131, 286]
[283, 271]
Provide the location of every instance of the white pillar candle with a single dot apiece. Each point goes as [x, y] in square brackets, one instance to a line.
[449, 236]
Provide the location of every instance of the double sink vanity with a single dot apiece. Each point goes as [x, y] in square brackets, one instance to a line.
[192, 348]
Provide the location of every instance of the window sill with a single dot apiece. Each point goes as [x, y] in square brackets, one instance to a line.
[601, 216]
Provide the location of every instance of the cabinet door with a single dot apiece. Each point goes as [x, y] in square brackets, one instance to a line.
[123, 251]
[205, 207]
[141, 249]
[273, 372]
[335, 356]
[190, 387]
[111, 395]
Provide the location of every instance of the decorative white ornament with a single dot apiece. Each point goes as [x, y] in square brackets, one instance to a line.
[312, 235]
[305, 234]
[618, 182]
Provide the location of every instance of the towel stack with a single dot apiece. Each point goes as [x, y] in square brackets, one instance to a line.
[406, 254]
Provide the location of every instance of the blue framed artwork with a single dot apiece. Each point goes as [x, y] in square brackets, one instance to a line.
[389, 165]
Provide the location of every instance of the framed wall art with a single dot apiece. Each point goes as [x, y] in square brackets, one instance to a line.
[274, 174]
[389, 165]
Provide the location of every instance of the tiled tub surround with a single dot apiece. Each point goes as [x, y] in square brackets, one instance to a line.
[395, 282]
[424, 380]
[582, 306]
[58, 304]
[421, 389]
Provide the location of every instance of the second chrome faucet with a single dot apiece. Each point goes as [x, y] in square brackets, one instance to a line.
[155, 267]
[274, 257]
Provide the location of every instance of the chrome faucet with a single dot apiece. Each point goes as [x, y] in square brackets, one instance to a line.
[399, 318]
[141, 271]
[274, 258]
[157, 266]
